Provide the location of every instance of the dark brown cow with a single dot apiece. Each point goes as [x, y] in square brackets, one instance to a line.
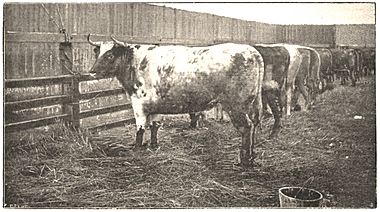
[345, 64]
[326, 71]
[368, 55]
[180, 79]
[276, 62]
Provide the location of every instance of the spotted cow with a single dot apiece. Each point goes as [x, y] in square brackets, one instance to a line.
[180, 79]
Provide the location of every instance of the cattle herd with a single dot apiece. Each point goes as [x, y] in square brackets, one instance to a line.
[242, 79]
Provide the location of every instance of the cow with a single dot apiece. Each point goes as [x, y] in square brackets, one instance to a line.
[368, 55]
[179, 79]
[276, 61]
[307, 80]
[345, 64]
[326, 72]
[295, 59]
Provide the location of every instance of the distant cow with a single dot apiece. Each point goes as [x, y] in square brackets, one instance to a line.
[294, 64]
[326, 72]
[179, 79]
[368, 55]
[308, 80]
[345, 64]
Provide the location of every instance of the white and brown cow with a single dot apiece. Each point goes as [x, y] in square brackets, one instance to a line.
[308, 79]
[180, 79]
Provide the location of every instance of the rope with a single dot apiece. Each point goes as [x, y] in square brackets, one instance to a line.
[51, 18]
[60, 17]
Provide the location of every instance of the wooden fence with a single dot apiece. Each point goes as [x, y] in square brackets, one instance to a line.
[70, 103]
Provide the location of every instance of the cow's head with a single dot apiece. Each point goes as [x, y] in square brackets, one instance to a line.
[111, 57]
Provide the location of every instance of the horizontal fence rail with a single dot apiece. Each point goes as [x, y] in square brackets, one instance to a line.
[38, 81]
[71, 101]
[38, 102]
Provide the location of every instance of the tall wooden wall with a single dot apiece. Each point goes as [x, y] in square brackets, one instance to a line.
[361, 35]
[31, 39]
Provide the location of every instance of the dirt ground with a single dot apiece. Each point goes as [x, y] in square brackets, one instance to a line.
[331, 148]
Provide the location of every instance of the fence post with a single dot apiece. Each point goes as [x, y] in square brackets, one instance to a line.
[75, 120]
[66, 59]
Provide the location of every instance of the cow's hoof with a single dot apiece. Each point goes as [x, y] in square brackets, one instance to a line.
[248, 163]
[297, 107]
[154, 147]
[140, 147]
[273, 135]
[245, 165]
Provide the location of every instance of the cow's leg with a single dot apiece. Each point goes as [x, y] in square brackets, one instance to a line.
[265, 101]
[139, 138]
[295, 97]
[314, 92]
[219, 112]
[141, 121]
[353, 77]
[141, 124]
[201, 116]
[193, 120]
[153, 134]
[304, 92]
[240, 122]
[342, 76]
[247, 124]
[273, 97]
[324, 84]
[306, 96]
[288, 103]
[154, 123]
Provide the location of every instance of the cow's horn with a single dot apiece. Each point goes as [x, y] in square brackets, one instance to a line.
[92, 42]
[117, 42]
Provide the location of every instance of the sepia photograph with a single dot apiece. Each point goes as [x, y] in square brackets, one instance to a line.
[189, 105]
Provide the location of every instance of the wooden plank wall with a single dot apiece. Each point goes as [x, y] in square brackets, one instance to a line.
[39, 57]
[357, 35]
[314, 35]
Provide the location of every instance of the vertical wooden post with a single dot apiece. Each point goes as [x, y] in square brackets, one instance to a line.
[72, 108]
[75, 120]
[65, 59]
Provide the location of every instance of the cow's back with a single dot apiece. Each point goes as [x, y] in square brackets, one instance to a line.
[184, 79]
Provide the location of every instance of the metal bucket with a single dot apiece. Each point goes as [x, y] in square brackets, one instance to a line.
[294, 197]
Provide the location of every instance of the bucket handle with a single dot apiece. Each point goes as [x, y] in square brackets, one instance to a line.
[309, 180]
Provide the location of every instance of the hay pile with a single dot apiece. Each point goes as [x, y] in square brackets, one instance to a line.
[196, 168]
